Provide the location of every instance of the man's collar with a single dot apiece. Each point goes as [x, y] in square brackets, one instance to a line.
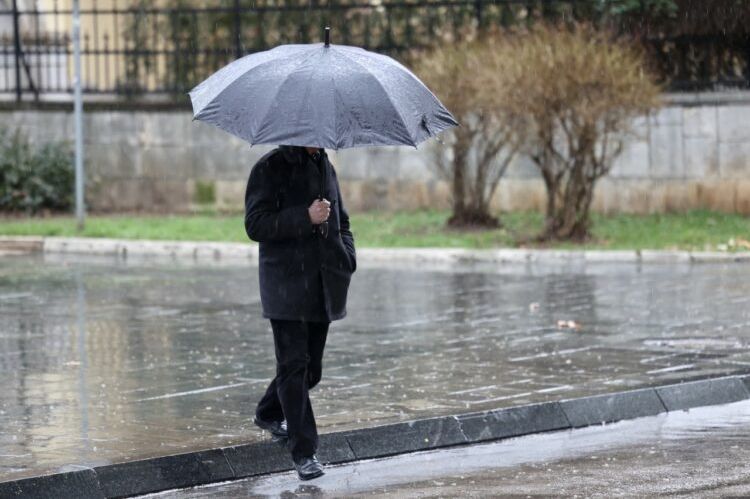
[292, 154]
[318, 150]
[298, 153]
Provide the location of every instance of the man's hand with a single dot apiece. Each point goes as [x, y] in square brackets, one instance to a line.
[319, 211]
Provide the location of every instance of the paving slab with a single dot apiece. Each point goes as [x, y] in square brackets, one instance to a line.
[606, 408]
[267, 457]
[257, 458]
[149, 475]
[513, 421]
[81, 484]
[406, 437]
[702, 392]
[334, 448]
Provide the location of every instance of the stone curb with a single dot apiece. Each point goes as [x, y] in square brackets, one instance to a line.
[219, 251]
[241, 461]
[21, 244]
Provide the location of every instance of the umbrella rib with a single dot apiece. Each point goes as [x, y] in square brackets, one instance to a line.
[335, 114]
[413, 142]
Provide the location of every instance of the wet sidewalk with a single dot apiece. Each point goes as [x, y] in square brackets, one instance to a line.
[700, 453]
[107, 361]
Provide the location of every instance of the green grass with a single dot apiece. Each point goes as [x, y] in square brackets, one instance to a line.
[698, 230]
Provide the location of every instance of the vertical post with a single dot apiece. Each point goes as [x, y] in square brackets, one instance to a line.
[478, 12]
[17, 49]
[237, 30]
[78, 114]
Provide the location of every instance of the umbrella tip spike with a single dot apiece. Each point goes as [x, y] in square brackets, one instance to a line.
[328, 36]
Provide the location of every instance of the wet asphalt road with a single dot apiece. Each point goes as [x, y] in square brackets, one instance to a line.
[105, 360]
[703, 452]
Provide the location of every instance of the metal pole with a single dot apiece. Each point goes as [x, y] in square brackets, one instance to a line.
[237, 30]
[478, 12]
[17, 49]
[78, 114]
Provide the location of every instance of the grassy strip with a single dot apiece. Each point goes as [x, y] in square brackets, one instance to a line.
[697, 230]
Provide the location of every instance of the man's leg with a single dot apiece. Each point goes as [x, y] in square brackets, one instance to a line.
[269, 407]
[316, 342]
[292, 357]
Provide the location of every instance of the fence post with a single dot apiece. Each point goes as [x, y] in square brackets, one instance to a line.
[237, 30]
[17, 49]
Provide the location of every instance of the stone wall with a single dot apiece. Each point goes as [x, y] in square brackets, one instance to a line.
[694, 153]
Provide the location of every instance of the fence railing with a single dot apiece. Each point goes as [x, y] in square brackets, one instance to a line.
[133, 50]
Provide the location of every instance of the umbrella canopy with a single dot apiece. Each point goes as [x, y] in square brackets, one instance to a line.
[324, 95]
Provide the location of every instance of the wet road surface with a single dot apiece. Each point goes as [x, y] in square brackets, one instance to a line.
[105, 360]
[703, 452]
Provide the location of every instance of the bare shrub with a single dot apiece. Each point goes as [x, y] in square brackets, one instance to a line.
[579, 91]
[476, 154]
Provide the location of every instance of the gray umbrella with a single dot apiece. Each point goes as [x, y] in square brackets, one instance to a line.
[324, 95]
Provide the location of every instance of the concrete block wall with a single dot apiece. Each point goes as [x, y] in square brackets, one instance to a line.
[693, 153]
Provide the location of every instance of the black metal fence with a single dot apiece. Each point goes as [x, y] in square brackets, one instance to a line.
[133, 50]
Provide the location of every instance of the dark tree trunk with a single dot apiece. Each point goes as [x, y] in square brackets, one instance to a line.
[569, 219]
[459, 181]
[473, 218]
[467, 212]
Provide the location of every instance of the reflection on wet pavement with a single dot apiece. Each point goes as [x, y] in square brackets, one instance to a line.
[702, 452]
[106, 361]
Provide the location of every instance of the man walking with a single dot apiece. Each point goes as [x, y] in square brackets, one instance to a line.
[294, 209]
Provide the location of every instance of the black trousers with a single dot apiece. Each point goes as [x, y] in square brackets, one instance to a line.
[299, 366]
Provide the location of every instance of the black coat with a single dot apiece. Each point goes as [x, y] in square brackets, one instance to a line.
[303, 276]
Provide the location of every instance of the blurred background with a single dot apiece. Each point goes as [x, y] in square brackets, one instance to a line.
[684, 153]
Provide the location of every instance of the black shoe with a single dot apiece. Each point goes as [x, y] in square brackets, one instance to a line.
[277, 428]
[308, 467]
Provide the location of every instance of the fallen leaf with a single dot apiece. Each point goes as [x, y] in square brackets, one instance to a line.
[563, 324]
